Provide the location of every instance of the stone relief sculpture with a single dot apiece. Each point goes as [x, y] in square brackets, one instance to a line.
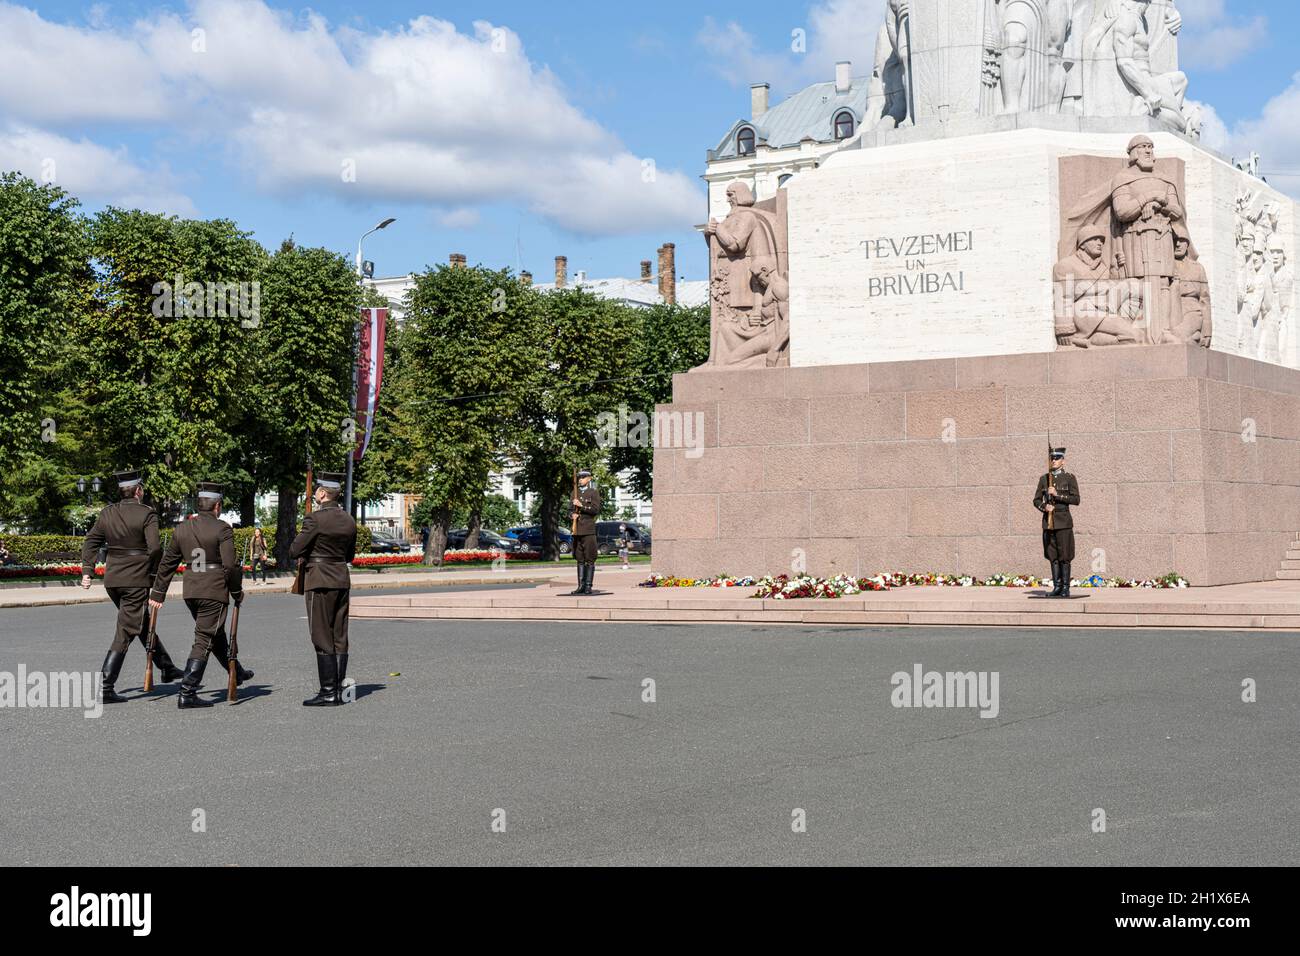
[1030, 53]
[749, 291]
[1088, 57]
[1122, 53]
[1094, 304]
[1136, 219]
[1265, 279]
[1193, 286]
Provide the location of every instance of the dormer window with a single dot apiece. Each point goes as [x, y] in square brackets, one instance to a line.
[843, 124]
[745, 141]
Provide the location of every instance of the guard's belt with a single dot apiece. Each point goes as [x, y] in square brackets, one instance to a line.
[326, 561]
[121, 551]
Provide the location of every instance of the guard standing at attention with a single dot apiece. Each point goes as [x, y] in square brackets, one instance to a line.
[586, 507]
[213, 577]
[129, 528]
[1057, 491]
[327, 543]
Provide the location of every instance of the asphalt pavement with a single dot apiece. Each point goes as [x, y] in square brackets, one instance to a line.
[544, 731]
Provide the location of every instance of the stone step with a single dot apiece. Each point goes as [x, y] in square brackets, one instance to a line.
[1293, 554]
[1289, 575]
[1291, 564]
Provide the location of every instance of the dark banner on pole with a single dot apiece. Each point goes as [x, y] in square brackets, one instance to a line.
[370, 374]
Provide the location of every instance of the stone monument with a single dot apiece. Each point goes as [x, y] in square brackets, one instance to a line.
[1024, 234]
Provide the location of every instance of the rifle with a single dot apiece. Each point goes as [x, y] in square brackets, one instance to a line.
[232, 682]
[1051, 484]
[149, 648]
[574, 525]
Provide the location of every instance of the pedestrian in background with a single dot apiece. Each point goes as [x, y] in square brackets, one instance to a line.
[257, 554]
[624, 543]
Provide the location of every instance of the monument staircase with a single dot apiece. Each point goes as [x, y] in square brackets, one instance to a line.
[1291, 563]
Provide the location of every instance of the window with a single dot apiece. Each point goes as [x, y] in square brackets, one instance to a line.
[745, 142]
[783, 179]
[843, 124]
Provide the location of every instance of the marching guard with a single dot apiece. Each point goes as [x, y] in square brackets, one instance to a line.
[129, 529]
[326, 546]
[213, 578]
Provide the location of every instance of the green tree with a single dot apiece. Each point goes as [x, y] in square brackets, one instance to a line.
[581, 366]
[298, 380]
[454, 399]
[45, 283]
[165, 342]
[670, 339]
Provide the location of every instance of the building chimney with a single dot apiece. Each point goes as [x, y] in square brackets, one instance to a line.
[758, 100]
[843, 78]
[525, 278]
[561, 271]
[667, 273]
[645, 270]
[457, 260]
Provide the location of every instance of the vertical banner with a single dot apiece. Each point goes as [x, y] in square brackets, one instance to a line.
[370, 374]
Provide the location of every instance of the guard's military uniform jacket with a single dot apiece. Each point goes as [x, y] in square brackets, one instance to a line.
[1067, 494]
[327, 542]
[130, 530]
[586, 514]
[202, 542]
[1058, 541]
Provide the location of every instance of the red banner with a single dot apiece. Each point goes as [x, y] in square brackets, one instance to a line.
[370, 374]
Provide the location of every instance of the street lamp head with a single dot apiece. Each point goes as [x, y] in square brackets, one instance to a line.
[386, 223]
[96, 486]
[81, 486]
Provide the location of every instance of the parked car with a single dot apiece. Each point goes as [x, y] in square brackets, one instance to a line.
[607, 535]
[532, 538]
[386, 542]
[486, 540]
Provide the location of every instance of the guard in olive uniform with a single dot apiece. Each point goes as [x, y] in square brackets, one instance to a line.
[585, 508]
[1058, 541]
[213, 577]
[327, 543]
[129, 529]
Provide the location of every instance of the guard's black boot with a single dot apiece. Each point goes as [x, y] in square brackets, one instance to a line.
[112, 667]
[590, 577]
[221, 653]
[1056, 579]
[168, 671]
[190, 681]
[1065, 579]
[582, 579]
[328, 695]
[341, 673]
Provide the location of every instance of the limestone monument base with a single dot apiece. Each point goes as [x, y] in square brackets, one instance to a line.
[1188, 460]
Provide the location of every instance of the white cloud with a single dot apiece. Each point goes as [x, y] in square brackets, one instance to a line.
[423, 112]
[835, 30]
[90, 171]
[1275, 135]
[1222, 44]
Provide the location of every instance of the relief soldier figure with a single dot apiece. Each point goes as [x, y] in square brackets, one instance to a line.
[1093, 305]
[1193, 292]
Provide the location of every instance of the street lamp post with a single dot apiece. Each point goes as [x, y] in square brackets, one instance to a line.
[356, 341]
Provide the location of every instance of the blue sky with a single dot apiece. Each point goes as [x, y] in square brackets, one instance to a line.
[509, 131]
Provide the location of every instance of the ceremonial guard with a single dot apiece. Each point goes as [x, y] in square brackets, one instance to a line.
[586, 507]
[213, 577]
[325, 546]
[129, 529]
[1057, 491]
